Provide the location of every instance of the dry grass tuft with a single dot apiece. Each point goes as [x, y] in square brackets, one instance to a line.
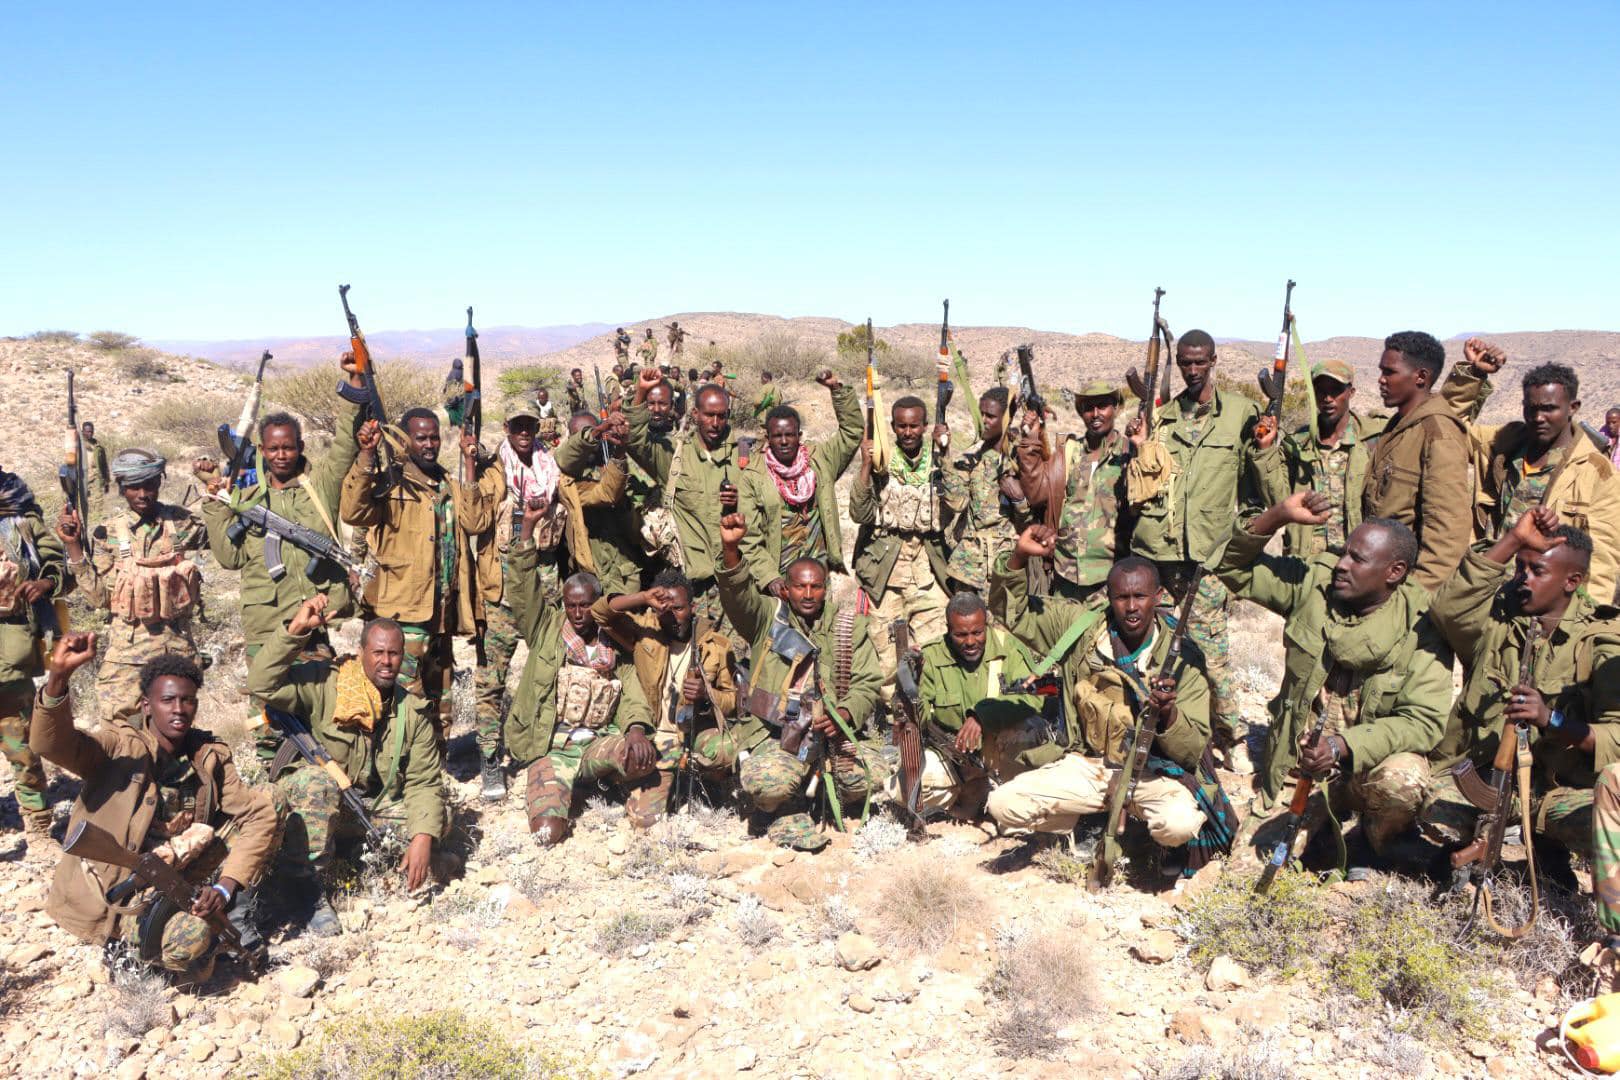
[754, 925]
[138, 1001]
[924, 902]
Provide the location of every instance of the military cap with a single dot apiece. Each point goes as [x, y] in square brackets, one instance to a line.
[1337, 370]
[1099, 388]
[520, 408]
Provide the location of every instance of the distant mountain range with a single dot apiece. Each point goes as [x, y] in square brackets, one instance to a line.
[496, 343]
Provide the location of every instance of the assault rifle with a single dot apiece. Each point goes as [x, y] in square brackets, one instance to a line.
[297, 735]
[278, 530]
[1494, 798]
[1146, 386]
[363, 363]
[237, 445]
[601, 394]
[95, 844]
[1294, 819]
[1274, 382]
[942, 394]
[874, 404]
[907, 720]
[74, 472]
[1138, 747]
[472, 405]
[1038, 571]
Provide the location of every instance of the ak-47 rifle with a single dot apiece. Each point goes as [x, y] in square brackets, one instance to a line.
[874, 405]
[686, 717]
[601, 394]
[1038, 571]
[1294, 819]
[237, 444]
[73, 474]
[279, 530]
[1138, 747]
[1274, 380]
[907, 721]
[942, 392]
[95, 844]
[307, 746]
[1494, 798]
[1146, 385]
[363, 363]
[472, 404]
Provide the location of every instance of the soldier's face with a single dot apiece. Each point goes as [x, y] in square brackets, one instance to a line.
[424, 435]
[1398, 380]
[712, 416]
[141, 497]
[676, 618]
[282, 450]
[520, 433]
[782, 434]
[1132, 595]
[661, 406]
[1543, 581]
[1548, 411]
[577, 601]
[807, 590]
[1332, 400]
[967, 634]
[995, 419]
[1196, 363]
[171, 707]
[1366, 573]
[1098, 414]
[381, 654]
[908, 427]
[578, 376]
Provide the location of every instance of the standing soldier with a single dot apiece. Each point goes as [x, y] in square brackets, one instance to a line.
[32, 574]
[1185, 493]
[99, 476]
[1545, 460]
[768, 397]
[1331, 461]
[972, 490]
[140, 572]
[647, 351]
[688, 676]
[603, 539]
[432, 576]
[547, 413]
[621, 345]
[900, 548]
[677, 342]
[787, 494]
[575, 388]
[1419, 472]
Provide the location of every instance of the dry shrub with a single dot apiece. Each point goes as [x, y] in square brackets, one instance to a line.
[55, 337]
[144, 365]
[190, 422]
[112, 340]
[923, 902]
[138, 999]
[627, 929]
[1042, 975]
[1022, 1033]
[1260, 1059]
[312, 393]
[438, 1044]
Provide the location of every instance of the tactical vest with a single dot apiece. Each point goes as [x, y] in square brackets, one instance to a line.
[586, 700]
[161, 587]
[907, 508]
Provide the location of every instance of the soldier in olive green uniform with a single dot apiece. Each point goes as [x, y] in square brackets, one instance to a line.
[1186, 483]
[972, 492]
[972, 732]
[33, 572]
[100, 476]
[647, 351]
[801, 648]
[1107, 655]
[604, 538]
[1330, 460]
[1534, 573]
[1361, 661]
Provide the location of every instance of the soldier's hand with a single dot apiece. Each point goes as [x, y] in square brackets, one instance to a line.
[68, 526]
[823, 722]
[1483, 357]
[209, 902]
[1265, 432]
[828, 378]
[1162, 698]
[777, 588]
[1534, 529]
[1011, 487]
[942, 438]
[204, 468]
[639, 753]
[970, 737]
[728, 498]
[310, 614]
[866, 454]
[658, 599]
[346, 362]
[1306, 508]
[733, 527]
[369, 435]
[691, 688]
[533, 511]
[646, 380]
[417, 861]
[35, 590]
[1318, 758]
[1527, 706]
[1136, 432]
[70, 653]
[469, 448]
[1037, 542]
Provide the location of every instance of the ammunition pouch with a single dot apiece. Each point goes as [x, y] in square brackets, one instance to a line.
[11, 580]
[659, 536]
[908, 508]
[585, 699]
[1148, 474]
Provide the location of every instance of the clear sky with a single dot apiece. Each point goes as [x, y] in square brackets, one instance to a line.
[181, 170]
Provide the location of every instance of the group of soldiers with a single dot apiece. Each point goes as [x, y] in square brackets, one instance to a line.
[1027, 600]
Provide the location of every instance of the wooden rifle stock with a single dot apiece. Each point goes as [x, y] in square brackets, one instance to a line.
[363, 363]
[1275, 380]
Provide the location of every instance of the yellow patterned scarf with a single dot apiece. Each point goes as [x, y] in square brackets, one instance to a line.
[359, 704]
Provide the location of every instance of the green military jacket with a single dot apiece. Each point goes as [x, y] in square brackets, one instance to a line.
[533, 719]
[948, 691]
[761, 503]
[1574, 669]
[877, 549]
[753, 613]
[398, 761]
[19, 630]
[1404, 663]
[695, 502]
[1213, 475]
[614, 531]
[1295, 464]
[1099, 706]
[268, 604]
[1091, 528]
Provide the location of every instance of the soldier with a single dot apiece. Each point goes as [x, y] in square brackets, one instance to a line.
[1545, 460]
[575, 387]
[1611, 431]
[768, 397]
[100, 478]
[1419, 471]
[531, 482]
[141, 574]
[1606, 868]
[603, 540]
[1361, 661]
[697, 487]
[621, 345]
[787, 493]
[900, 545]
[32, 574]
[1331, 461]
[1185, 490]
[647, 351]
[1532, 573]
[156, 783]
[454, 393]
[813, 685]
[579, 712]
[972, 732]
[677, 342]
[688, 676]
[547, 414]
[613, 388]
[972, 490]
[432, 577]
[1106, 657]
[380, 733]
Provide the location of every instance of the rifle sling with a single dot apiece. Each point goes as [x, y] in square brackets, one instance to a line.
[1061, 648]
[1522, 767]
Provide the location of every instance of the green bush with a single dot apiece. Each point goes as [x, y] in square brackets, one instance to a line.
[55, 337]
[142, 364]
[189, 423]
[852, 346]
[435, 1046]
[312, 393]
[1276, 931]
[522, 381]
[113, 340]
[627, 929]
[1296, 409]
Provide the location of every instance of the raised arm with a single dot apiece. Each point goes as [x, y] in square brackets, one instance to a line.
[835, 455]
[750, 610]
[358, 505]
[52, 734]
[1275, 582]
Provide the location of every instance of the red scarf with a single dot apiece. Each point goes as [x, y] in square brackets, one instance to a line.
[795, 481]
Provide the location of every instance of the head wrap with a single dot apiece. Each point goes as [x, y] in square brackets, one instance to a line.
[137, 466]
[16, 498]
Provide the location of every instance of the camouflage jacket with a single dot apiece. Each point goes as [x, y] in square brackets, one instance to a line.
[1091, 528]
[1294, 463]
[1212, 476]
[877, 548]
[19, 633]
[976, 531]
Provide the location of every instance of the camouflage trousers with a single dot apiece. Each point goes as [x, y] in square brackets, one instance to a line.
[1208, 632]
[118, 680]
[266, 739]
[775, 779]
[913, 594]
[713, 754]
[428, 667]
[497, 644]
[1563, 815]
[549, 782]
[1387, 798]
[27, 771]
[1606, 847]
[317, 818]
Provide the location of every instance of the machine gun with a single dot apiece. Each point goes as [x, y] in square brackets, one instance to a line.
[472, 404]
[1274, 381]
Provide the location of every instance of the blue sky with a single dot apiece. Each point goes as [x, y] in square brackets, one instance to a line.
[180, 171]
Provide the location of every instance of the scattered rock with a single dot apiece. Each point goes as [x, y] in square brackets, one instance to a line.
[296, 1006]
[618, 844]
[298, 981]
[857, 953]
[1195, 1025]
[861, 1003]
[1156, 947]
[282, 1034]
[1226, 974]
[28, 953]
[200, 1051]
[744, 1058]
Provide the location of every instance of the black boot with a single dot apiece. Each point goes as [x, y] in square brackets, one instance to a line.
[243, 915]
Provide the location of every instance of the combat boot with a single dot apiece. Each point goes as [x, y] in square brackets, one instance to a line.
[243, 915]
[37, 833]
[323, 920]
[493, 779]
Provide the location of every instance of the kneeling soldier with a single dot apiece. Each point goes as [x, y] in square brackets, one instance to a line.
[813, 685]
[155, 784]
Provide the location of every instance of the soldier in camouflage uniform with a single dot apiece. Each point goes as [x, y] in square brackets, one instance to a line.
[1571, 701]
[575, 388]
[32, 575]
[156, 784]
[973, 488]
[621, 345]
[647, 351]
[603, 533]
[141, 573]
[1606, 853]
[812, 690]
[1361, 660]
[1331, 461]
[100, 476]
[1186, 482]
